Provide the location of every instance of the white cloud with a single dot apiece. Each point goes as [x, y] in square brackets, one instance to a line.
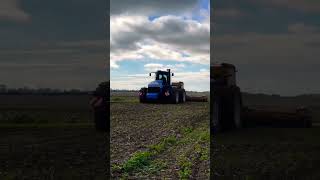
[151, 67]
[165, 38]
[193, 81]
[113, 65]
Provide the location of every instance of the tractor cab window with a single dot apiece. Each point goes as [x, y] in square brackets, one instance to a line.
[219, 76]
[162, 76]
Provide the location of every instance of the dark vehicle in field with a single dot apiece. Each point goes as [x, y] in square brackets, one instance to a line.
[227, 101]
[100, 105]
[162, 89]
[229, 113]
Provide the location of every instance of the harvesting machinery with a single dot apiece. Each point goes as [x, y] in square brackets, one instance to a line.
[163, 90]
[229, 113]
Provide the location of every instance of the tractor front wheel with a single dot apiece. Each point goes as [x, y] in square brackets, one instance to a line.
[142, 95]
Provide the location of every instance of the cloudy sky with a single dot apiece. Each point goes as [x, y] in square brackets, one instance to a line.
[274, 43]
[146, 36]
[58, 44]
[63, 43]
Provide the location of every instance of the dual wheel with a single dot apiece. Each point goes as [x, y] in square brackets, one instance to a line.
[226, 112]
[178, 96]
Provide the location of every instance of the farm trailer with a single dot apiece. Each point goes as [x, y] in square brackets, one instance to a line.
[229, 113]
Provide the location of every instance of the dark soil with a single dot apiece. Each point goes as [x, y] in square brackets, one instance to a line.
[270, 153]
[52, 153]
[134, 126]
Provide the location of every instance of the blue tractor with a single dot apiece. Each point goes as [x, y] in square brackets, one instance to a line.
[163, 90]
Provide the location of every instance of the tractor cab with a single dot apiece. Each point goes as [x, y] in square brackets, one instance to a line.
[163, 76]
[223, 75]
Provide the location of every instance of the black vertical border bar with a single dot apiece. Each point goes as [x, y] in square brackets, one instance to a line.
[107, 58]
[211, 90]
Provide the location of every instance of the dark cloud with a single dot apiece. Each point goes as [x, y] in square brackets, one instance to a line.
[62, 45]
[274, 46]
[10, 10]
[169, 30]
[151, 7]
[307, 6]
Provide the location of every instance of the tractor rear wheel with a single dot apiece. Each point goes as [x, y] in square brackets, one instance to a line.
[223, 113]
[216, 115]
[175, 97]
[237, 109]
[307, 122]
[227, 109]
[182, 98]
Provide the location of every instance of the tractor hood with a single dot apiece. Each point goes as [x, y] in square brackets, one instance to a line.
[156, 83]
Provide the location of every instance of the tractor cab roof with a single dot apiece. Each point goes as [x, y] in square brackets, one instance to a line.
[223, 65]
[161, 71]
[223, 68]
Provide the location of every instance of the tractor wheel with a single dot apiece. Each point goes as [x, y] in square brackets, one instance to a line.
[237, 109]
[182, 98]
[216, 115]
[142, 98]
[175, 97]
[224, 111]
[308, 123]
[244, 116]
[100, 119]
[227, 114]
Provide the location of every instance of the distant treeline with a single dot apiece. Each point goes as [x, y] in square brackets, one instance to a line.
[280, 96]
[40, 91]
[125, 90]
[122, 90]
[54, 91]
